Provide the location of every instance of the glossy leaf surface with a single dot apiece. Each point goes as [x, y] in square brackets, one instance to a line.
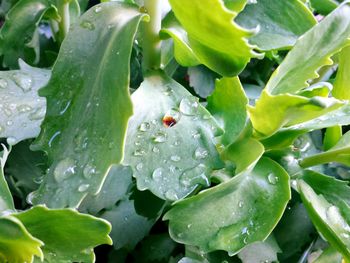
[312, 51]
[240, 219]
[276, 31]
[6, 201]
[22, 110]
[228, 106]
[170, 139]
[68, 236]
[225, 51]
[341, 84]
[85, 124]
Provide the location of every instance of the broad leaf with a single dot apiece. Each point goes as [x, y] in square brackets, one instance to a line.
[18, 29]
[329, 255]
[324, 7]
[228, 106]
[16, 243]
[225, 50]
[280, 22]
[6, 201]
[87, 109]
[21, 108]
[312, 51]
[342, 81]
[287, 110]
[170, 139]
[68, 236]
[202, 80]
[233, 214]
[330, 220]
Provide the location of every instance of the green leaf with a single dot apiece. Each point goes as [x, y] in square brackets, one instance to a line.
[170, 139]
[6, 201]
[235, 5]
[258, 252]
[280, 22]
[324, 7]
[16, 243]
[329, 219]
[332, 136]
[287, 110]
[202, 80]
[233, 214]
[68, 236]
[329, 255]
[183, 52]
[312, 51]
[342, 81]
[339, 153]
[87, 109]
[228, 105]
[18, 29]
[217, 41]
[22, 109]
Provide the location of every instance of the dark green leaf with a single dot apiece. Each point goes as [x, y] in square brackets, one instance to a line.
[88, 110]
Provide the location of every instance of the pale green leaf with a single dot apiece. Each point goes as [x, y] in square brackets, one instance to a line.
[22, 110]
[324, 7]
[312, 51]
[68, 236]
[341, 86]
[87, 109]
[228, 106]
[280, 22]
[6, 201]
[233, 214]
[17, 245]
[329, 255]
[216, 40]
[170, 139]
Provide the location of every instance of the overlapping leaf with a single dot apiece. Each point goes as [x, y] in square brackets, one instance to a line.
[224, 50]
[276, 31]
[170, 139]
[245, 213]
[87, 109]
[312, 51]
[21, 108]
[6, 201]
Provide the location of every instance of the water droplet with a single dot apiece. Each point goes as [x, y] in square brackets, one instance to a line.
[139, 166]
[38, 114]
[155, 149]
[87, 24]
[38, 180]
[189, 226]
[345, 235]
[196, 175]
[137, 143]
[2, 129]
[200, 153]
[98, 9]
[12, 140]
[175, 158]
[220, 147]
[167, 91]
[31, 196]
[3, 83]
[23, 81]
[240, 204]
[189, 106]
[145, 126]
[272, 178]
[54, 136]
[89, 171]
[160, 137]
[177, 143]
[8, 112]
[171, 195]
[65, 107]
[24, 108]
[206, 116]
[9, 123]
[196, 135]
[83, 188]
[139, 152]
[157, 174]
[171, 118]
[64, 169]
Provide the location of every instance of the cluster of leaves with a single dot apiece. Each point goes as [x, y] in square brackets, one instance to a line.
[200, 131]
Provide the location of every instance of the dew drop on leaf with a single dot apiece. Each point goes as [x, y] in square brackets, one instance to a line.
[196, 175]
[23, 81]
[11, 140]
[240, 204]
[157, 174]
[83, 188]
[38, 114]
[89, 171]
[196, 135]
[200, 153]
[31, 196]
[9, 123]
[189, 106]
[38, 180]
[3, 83]
[145, 126]
[98, 9]
[272, 178]
[24, 108]
[139, 166]
[64, 169]
[87, 24]
[175, 158]
[139, 152]
[160, 137]
[54, 136]
[171, 195]
[2, 129]
[155, 149]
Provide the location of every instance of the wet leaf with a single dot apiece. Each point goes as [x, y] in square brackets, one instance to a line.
[6, 201]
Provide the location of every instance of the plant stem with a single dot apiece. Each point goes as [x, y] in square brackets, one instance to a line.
[150, 31]
[63, 11]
